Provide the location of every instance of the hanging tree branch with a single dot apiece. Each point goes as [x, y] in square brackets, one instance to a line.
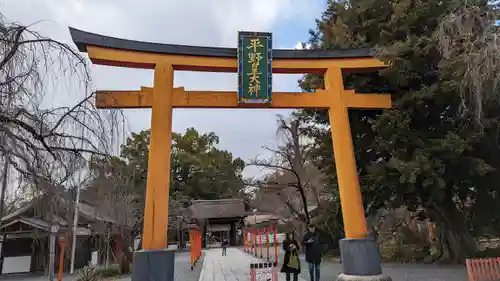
[36, 71]
[47, 136]
[469, 41]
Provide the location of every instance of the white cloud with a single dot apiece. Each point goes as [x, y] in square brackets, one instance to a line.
[190, 22]
[300, 46]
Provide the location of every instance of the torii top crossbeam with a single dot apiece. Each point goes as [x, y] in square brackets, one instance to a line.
[111, 51]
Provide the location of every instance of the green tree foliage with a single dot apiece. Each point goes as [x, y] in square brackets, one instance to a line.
[202, 171]
[199, 170]
[437, 148]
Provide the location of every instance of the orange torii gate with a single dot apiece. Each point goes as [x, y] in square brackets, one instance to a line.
[359, 254]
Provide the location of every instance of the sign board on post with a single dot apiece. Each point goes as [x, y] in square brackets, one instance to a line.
[264, 271]
[254, 67]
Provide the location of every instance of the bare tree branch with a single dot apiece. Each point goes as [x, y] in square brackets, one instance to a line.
[32, 66]
[48, 138]
[292, 169]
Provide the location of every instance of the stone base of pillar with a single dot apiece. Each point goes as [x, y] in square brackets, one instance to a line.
[343, 277]
[155, 265]
[361, 260]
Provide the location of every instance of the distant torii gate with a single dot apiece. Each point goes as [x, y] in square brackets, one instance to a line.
[359, 254]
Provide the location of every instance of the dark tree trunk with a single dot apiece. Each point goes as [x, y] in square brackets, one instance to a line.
[124, 259]
[453, 238]
[304, 202]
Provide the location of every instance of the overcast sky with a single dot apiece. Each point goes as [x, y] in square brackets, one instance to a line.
[190, 22]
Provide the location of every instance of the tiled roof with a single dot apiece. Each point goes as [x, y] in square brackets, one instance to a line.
[222, 208]
[83, 39]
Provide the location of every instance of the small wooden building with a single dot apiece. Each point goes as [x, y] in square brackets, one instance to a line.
[25, 235]
[219, 219]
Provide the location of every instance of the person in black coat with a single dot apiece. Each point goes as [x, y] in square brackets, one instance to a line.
[314, 252]
[224, 244]
[291, 262]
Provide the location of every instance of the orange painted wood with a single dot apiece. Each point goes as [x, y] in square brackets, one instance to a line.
[134, 59]
[225, 99]
[259, 231]
[483, 269]
[275, 244]
[267, 243]
[62, 245]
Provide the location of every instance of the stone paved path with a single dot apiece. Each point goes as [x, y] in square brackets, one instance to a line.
[233, 267]
[183, 270]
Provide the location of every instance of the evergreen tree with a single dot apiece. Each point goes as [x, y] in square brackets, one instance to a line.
[199, 170]
[437, 148]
